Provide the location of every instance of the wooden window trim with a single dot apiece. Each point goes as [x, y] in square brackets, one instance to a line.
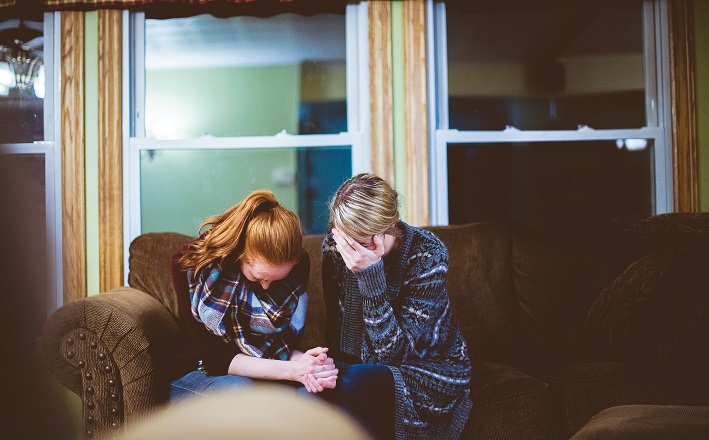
[110, 146]
[72, 156]
[417, 144]
[683, 101]
[381, 125]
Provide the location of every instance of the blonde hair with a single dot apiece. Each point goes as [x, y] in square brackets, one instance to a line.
[258, 227]
[363, 206]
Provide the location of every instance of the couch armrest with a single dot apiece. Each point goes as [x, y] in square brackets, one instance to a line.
[111, 349]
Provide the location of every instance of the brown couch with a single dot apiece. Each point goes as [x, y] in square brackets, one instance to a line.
[559, 328]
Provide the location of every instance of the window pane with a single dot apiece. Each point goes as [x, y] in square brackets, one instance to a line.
[192, 185]
[21, 81]
[548, 70]
[569, 187]
[24, 242]
[245, 76]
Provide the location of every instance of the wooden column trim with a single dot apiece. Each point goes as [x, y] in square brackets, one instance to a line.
[72, 156]
[381, 125]
[684, 118]
[110, 159]
[416, 113]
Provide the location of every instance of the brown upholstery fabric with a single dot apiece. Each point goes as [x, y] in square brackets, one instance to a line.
[314, 330]
[508, 404]
[481, 291]
[122, 336]
[581, 389]
[655, 309]
[149, 265]
[669, 230]
[556, 280]
[648, 422]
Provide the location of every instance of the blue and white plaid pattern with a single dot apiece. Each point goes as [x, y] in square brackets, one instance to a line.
[262, 323]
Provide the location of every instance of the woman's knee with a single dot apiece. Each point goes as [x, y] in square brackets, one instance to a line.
[359, 378]
[199, 383]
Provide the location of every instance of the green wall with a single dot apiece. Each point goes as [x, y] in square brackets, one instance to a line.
[91, 150]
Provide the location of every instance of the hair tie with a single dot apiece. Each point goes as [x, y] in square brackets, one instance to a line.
[265, 207]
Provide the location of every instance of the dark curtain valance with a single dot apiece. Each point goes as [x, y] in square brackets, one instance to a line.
[534, 5]
[33, 9]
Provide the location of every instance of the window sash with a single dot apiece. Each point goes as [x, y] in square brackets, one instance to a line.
[53, 229]
[656, 53]
[49, 149]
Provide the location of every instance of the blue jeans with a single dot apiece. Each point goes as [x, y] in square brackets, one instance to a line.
[200, 383]
[366, 392]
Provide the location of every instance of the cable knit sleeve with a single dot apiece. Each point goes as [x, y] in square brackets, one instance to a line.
[408, 323]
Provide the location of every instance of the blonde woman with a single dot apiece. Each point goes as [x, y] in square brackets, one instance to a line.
[404, 369]
[241, 294]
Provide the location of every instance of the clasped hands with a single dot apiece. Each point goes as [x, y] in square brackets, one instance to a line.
[317, 371]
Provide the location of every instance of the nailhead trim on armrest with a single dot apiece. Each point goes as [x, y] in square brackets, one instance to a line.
[102, 400]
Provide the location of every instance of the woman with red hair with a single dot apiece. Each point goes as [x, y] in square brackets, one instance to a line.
[241, 293]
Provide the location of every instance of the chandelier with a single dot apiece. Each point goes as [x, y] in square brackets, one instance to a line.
[21, 47]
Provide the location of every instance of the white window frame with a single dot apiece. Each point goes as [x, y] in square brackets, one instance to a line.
[49, 148]
[657, 91]
[135, 142]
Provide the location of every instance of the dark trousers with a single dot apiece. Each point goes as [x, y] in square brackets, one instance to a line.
[366, 392]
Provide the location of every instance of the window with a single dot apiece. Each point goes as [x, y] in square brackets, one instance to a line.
[22, 81]
[554, 119]
[224, 106]
[29, 166]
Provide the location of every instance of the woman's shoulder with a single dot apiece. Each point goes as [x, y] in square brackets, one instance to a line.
[328, 238]
[423, 251]
[330, 257]
[423, 240]
[328, 247]
[176, 259]
[180, 251]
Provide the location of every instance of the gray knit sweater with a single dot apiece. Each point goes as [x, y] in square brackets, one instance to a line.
[397, 313]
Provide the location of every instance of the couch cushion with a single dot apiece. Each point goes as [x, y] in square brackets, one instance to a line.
[647, 422]
[668, 230]
[149, 265]
[556, 280]
[657, 309]
[314, 330]
[508, 404]
[481, 291]
[581, 389]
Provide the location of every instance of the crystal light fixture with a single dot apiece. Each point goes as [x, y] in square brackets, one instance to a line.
[22, 50]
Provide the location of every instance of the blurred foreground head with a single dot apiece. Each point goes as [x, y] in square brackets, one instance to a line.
[257, 413]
